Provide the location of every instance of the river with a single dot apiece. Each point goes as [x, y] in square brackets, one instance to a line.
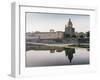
[56, 57]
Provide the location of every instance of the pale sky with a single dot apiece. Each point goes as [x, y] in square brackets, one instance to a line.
[43, 22]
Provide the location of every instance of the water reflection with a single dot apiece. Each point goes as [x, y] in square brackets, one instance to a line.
[52, 51]
[68, 51]
[38, 55]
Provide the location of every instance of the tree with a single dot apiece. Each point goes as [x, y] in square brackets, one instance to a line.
[81, 36]
[88, 34]
[74, 36]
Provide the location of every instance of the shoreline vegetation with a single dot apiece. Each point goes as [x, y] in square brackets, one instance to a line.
[42, 46]
[80, 46]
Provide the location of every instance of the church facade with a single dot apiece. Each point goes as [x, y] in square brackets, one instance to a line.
[69, 30]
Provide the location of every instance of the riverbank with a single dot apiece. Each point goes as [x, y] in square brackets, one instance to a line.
[71, 45]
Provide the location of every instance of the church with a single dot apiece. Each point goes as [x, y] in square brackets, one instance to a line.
[52, 35]
[69, 30]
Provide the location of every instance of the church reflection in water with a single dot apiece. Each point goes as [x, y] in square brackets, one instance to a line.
[68, 51]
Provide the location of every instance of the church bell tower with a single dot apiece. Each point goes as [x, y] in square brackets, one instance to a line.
[70, 23]
[69, 30]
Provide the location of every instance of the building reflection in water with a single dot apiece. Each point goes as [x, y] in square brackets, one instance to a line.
[68, 51]
[52, 51]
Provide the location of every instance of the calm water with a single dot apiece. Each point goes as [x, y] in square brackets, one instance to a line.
[55, 57]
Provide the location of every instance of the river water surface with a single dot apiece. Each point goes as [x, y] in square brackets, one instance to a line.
[68, 56]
